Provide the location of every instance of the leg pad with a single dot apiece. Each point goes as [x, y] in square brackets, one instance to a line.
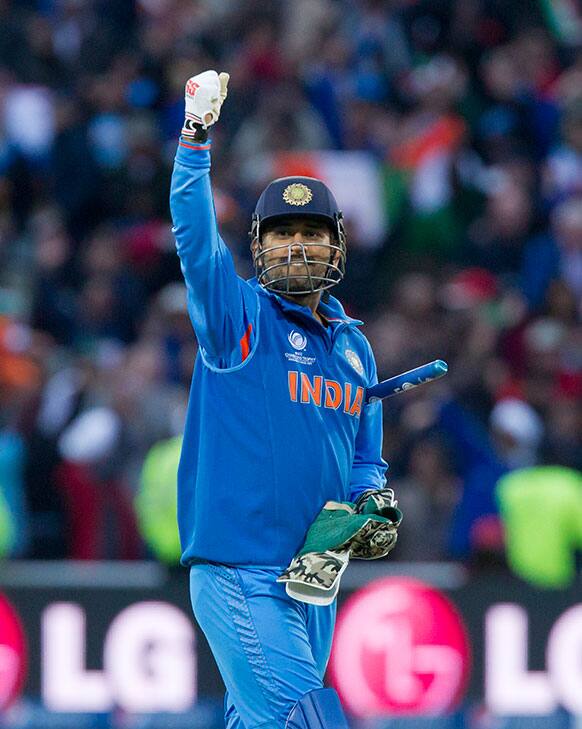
[318, 709]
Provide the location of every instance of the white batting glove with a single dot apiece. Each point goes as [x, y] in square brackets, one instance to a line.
[204, 95]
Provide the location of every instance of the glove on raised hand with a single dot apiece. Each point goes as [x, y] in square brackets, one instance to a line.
[204, 96]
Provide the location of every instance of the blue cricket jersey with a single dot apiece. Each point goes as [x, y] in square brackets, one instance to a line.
[276, 424]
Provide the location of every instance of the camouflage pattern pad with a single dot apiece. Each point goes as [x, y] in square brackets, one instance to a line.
[314, 578]
[367, 529]
[320, 569]
[374, 541]
[380, 502]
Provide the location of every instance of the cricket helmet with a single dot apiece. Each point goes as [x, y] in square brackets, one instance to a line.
[292, 198]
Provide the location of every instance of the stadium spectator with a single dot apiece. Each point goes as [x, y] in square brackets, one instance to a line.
[468, 117]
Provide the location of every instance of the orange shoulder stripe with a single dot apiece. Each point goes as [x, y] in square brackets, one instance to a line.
[245, 342]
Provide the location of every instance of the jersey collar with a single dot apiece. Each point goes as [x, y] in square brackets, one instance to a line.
[331, 309]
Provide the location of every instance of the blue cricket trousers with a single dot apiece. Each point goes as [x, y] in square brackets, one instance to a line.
[270, 649]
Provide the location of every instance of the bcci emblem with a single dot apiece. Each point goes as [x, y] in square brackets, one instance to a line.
[297, 340]
[355, 361]
[297, 194]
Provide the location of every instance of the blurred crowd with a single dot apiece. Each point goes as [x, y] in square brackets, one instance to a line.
[472, 110]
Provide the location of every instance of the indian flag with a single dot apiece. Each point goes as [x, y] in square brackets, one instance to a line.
[355, 178]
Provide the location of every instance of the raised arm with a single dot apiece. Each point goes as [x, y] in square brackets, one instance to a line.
[221, 305]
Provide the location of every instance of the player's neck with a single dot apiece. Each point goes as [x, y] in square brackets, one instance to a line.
[311, 301]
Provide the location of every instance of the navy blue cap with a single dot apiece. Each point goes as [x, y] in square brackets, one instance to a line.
[305, 197]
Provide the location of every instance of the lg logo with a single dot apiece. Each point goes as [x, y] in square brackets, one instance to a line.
[12, 654]
[510, 687]
[400, 648]
[149, 660]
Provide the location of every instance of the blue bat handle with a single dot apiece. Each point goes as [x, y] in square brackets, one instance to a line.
[407, 380]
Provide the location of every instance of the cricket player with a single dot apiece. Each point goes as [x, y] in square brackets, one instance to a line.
[276, 427]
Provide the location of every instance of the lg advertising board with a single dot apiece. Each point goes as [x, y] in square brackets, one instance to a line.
[402, 648]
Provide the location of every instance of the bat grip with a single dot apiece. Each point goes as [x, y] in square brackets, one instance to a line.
[407, 380]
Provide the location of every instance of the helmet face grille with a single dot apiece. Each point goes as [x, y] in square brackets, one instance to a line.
[295, 272]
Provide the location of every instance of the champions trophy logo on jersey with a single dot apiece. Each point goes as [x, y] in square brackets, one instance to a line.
[355, 361]
[12, 654]
[297, 340]
[297, 194]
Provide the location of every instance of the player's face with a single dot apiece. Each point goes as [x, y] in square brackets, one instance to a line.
[295, 252]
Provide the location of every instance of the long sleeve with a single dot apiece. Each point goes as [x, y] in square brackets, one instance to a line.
[221, 305]
[369, 468]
